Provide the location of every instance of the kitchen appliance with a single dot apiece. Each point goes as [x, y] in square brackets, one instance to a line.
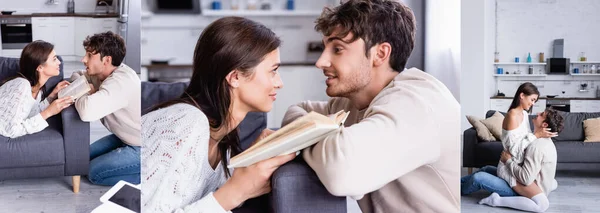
[180, 6]
[559, 104]
[15, 32]
[559, 66]
[558, 48]
[105, 6]
[5, 12]
[130, 18]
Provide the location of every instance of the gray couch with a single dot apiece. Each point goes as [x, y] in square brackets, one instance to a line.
[62, 149]
[295, 186]
[572, 152]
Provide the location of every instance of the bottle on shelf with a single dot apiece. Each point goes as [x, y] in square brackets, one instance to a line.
[530, 69]
[496, 57]
[593, 68]
[541, 59]
[582, 56]
[528, 57]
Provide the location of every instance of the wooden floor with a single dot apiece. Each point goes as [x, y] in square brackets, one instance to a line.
[578, 191]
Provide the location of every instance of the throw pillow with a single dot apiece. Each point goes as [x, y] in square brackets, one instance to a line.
[591, 128]
[482, 132]
[494, 124]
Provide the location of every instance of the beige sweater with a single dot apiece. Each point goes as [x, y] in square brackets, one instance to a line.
[402, 152]
[116, 102]
[539, 164]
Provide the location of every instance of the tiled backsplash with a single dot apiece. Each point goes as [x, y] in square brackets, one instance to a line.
[553, 87]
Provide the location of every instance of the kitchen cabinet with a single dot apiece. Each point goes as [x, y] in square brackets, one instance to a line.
[169, 44]
[61, 32]
[539, 106]
[300, 83]
[501, 105]
[593, 106]
[578, 105]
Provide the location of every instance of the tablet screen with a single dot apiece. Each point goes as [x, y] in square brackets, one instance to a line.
[127, 197]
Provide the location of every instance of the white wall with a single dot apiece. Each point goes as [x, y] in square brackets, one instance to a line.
[531, 26]
[40, 6]
[442, 42]
[477, 18]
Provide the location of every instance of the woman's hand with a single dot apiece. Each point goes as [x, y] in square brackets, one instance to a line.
[61, 85]
[544, 133]
[249, 182]
[505, 156]
[57, 106]
[263, 134]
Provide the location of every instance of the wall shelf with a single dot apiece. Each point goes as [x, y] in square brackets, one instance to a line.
[520, 75]
[261, 12]
[585, 62]
[585, 74]
[514, 63]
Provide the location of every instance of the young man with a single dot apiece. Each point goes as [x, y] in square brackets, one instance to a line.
[539, 165]
[399, 150]
[115, 100]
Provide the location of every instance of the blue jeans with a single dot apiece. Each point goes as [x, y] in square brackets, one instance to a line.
[486, 179]
[112, 160]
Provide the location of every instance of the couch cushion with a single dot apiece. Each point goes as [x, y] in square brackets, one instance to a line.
[591, 127]
[483, 133]
[157, 92]
[44, 148]
[577, 152]
[494, 124]
[573, 127]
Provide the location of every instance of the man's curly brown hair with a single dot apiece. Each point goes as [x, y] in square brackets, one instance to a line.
[554, 120]
[107, 44]
[376, 22]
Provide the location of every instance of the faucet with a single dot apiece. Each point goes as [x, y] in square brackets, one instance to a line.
[105, 4]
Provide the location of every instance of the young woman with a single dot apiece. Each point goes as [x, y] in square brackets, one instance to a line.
[516, 136]
[23, 110]
[188, 141]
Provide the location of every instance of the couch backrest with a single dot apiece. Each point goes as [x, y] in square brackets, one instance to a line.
[10, 66]
[156, 92]
[572, 121]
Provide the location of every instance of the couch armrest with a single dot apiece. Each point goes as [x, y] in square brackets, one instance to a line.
[76, 134]
[470, 140]
[296, 188]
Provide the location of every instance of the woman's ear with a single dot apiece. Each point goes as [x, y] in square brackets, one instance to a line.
[233, 78]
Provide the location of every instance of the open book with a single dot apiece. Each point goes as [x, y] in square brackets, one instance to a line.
[77, 88]
[301, 133]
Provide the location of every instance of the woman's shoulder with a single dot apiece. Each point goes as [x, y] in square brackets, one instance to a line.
[180, 114]
[18, 83]
[511, 120]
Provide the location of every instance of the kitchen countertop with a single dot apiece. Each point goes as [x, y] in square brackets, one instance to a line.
[557, 98]
[89, 15]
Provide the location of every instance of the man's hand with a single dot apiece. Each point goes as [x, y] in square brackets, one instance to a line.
[505, 156]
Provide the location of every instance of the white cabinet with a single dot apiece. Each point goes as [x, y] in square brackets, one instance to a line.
[593, 106]
[105, 24]
[42, 29]
[169, 43]
[585, 106]
[501, 105]
[539, 106]
[58, 31]
[83, 26]
[68, 33]
[300, 83]
[64, 34]
[578, 106]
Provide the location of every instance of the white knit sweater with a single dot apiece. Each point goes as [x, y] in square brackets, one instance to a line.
[19, 112]
[176, 174]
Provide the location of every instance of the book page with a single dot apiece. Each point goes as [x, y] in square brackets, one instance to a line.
[77, 88]
[297, 135]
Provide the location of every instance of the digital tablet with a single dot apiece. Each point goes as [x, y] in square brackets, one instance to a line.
[124, 195]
